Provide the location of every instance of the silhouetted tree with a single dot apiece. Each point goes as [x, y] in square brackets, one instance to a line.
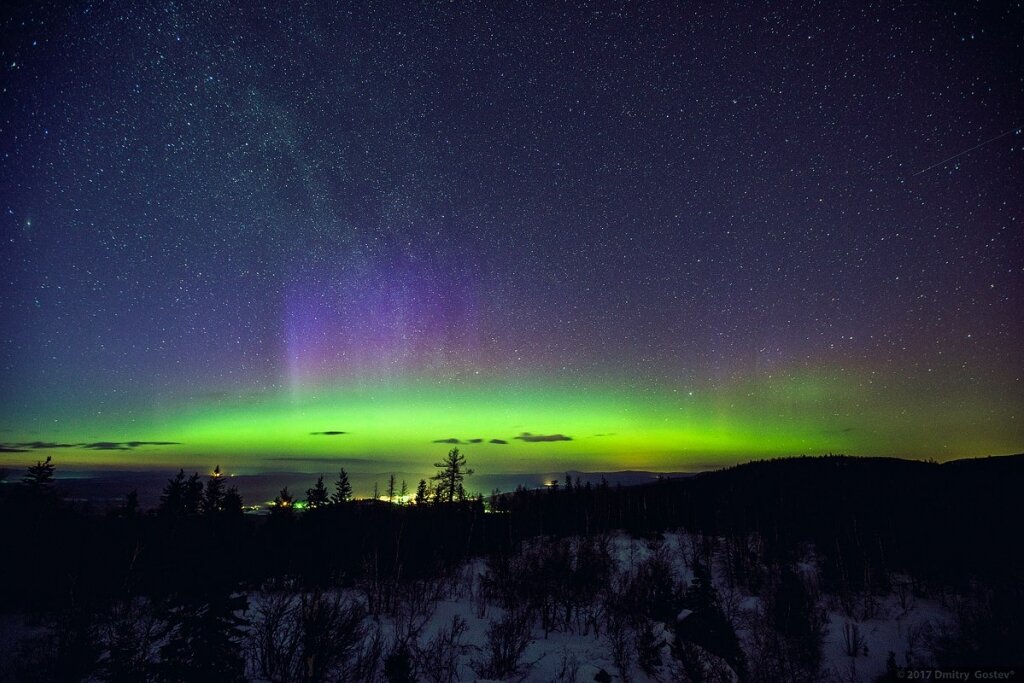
[309, 638]
[317, 496]
[507, 639]
[173, 496]
[342, 488]
[213, 497]
[205, 641]
[391, 489]
[422, 492]
[283, 503]
[232, 501]
[986, 630]
[133, 634]
[706, 626]
[452, 472]
[788, 638]
[39, 478]
[192, 496]
[131, 504]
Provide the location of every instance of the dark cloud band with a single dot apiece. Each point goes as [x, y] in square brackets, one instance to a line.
[24, 447]
[538, 438]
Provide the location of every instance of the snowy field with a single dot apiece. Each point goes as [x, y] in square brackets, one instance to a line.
[877, 626]
[468, 626]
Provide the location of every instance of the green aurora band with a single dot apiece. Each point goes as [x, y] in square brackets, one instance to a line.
[586, 426]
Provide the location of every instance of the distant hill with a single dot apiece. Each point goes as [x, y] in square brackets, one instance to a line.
[957, 518]
[948, 522]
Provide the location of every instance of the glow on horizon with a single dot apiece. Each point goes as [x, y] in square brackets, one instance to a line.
[607, 426]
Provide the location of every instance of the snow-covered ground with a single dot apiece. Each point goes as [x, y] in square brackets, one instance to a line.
[574, 656]
[428, 610]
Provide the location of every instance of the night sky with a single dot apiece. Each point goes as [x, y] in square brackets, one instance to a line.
[590, 237]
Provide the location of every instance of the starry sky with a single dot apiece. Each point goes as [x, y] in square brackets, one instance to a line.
[583, 235]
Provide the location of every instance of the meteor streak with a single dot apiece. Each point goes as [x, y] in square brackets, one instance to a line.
[960, 154]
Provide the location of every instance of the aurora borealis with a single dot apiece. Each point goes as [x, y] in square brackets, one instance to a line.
[564, 237]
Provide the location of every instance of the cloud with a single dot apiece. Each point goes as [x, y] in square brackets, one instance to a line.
[537, 438]
[23, 447]
[328, 433]
[460, 442]
[606, 434]
[124, 445]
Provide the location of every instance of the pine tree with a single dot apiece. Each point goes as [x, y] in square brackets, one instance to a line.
[126, 660]
[342, 488]
[192, 497]
[283, 503]
[707, 626]
[213, 497]
[795, 615]
[421, 492]
[404, 495]
[131, 504]
[452, 472]
[317, 496]
[39, 478]
[232, 501]
[173, 495]
[206, 642]
[391, 489]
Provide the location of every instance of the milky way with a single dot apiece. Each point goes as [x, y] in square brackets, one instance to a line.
[674, 237]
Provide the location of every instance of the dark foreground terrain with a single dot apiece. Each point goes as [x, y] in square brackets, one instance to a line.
[803, 569]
